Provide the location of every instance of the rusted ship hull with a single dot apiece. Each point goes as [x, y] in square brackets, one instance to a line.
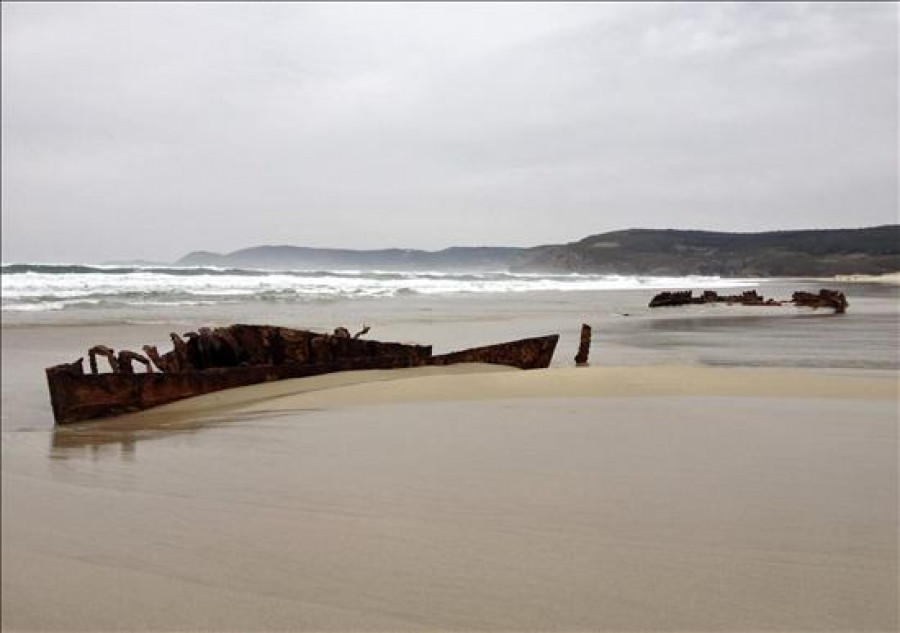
[824, 299]
[265, 354]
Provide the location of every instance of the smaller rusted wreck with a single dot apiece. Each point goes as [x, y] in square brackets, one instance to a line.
[210, 360]
[824, 299]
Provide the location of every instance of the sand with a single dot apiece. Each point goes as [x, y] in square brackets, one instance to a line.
[478, 382]
[886, 278]
[655, 498]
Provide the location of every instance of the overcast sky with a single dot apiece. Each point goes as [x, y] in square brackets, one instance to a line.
[149, 130]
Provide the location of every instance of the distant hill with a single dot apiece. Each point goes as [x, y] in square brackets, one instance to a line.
[133, 262]
[807, 253]
[461, 258]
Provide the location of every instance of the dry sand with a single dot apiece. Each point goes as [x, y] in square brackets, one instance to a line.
[477, 382]
[663, 498]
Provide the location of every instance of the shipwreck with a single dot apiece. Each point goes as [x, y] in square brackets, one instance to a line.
[824, 299]
[212, 360]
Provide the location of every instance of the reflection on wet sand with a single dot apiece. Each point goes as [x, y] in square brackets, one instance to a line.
[119, 436]
[712, 320]
[717, 338]
[126, 431]
[63, 446]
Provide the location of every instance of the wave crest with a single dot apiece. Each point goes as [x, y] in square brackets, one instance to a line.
[37, 287]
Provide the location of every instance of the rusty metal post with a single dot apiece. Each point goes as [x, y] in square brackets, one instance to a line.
[584, 347]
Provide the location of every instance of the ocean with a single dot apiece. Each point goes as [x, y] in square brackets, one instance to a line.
[53, 313]
[74, 287]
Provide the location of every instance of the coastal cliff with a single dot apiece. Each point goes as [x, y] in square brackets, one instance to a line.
[810, 253]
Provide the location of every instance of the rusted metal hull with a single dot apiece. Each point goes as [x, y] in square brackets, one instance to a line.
[76, 395]
[825, 299]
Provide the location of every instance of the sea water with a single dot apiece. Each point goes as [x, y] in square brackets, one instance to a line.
[72, 287]
[456, 309]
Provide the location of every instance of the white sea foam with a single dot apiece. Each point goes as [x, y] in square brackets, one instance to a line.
[42, 287]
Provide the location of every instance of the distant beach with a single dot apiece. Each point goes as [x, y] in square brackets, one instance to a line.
[887, 278]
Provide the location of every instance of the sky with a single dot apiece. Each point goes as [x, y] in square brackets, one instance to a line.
[145, 131]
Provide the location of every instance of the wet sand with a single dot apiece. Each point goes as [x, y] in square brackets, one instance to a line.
[660, 498]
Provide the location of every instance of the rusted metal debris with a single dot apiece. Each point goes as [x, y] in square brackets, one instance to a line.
[825, 299]
[222, 358]
[584, 346]
[686, 297]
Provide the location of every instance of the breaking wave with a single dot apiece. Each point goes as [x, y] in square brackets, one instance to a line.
[50, 287]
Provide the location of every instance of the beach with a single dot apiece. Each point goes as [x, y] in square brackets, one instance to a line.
[477, 499]
[712, 470]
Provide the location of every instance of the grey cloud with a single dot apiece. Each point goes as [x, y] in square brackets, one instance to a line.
[147, 130]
